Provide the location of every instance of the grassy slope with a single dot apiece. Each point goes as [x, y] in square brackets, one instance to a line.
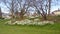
[47, 29]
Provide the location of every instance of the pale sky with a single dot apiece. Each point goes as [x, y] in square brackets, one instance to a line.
[4, 8]
[55, 5]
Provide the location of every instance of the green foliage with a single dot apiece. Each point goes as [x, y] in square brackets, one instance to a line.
[1, 18]
[58, 16]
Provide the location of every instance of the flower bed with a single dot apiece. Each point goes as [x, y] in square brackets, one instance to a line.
[30, 22]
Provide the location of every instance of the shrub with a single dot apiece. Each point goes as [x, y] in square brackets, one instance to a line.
[1, 18]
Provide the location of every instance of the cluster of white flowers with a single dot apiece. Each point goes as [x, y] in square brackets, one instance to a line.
[29, 22]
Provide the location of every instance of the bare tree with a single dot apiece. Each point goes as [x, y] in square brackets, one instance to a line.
[43, 7]
[49, 6]
[12, 6]
[22, 7]
[40, 5]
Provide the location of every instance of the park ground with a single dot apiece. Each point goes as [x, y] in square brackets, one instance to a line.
[32, 29]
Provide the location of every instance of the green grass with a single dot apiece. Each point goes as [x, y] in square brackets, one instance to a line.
[19, 29]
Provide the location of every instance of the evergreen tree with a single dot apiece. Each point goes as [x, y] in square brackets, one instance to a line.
[0, 13]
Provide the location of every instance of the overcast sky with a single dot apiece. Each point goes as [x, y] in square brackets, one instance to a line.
[55, 6]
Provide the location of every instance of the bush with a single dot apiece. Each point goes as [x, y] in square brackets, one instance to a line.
[30, 22]
[1, 18]
[58, 16]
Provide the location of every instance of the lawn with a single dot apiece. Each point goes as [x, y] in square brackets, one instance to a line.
[19, 29]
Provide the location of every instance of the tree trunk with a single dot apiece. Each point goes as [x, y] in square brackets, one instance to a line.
[0, 13]
[49, 7]
[22, 14]
[12, 18]
[44, 17]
